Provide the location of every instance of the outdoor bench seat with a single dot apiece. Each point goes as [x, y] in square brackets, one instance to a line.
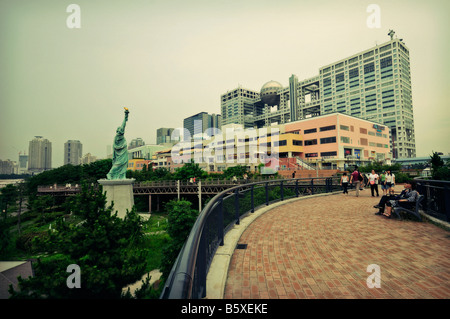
[415, 212]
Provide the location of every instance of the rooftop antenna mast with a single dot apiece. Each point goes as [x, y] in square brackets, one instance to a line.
[391, 34]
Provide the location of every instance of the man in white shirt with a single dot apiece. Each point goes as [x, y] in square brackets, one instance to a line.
[373, 181]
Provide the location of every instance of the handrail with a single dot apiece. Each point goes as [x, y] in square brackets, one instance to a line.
[180, 282]
[437, 197]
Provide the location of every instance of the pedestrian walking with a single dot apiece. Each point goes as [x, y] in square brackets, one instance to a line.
[344, 183]
[382, 182]
[373, 181]
[356, 179]
[390, 182]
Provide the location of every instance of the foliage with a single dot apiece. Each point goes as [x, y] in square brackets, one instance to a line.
[237, 171]
[181, 218]
[378, 167]
[74, 174]
[8, 197]
[107, 249]
[190, 170]
[150, 174]
[5, 239]
[439, 170]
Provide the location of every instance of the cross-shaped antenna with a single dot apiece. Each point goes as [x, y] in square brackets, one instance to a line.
[391, 34]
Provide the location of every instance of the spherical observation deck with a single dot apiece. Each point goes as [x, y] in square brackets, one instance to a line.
[269, 94]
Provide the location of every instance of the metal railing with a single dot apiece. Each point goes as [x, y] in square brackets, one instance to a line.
[187, 279]
[437, 197]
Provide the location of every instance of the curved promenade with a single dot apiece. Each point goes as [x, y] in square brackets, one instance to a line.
[321, 247]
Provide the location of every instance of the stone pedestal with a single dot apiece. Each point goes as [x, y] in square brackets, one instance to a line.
[119, 191]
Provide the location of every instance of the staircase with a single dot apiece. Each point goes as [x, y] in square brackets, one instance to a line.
[303, 164]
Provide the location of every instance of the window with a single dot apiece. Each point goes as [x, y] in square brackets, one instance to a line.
[328, 128]
[345, 127]
[328, 154]
[370, 67]
[328, 140]
[311, 155]
[313, 130]
[364, 141]
[297, 142]
[362, 130]
[386, 62]
[345, 139]
[280, 143]
[311, 142]
[353, 73]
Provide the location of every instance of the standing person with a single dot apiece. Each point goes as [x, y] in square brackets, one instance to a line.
[390, 179]
[382, 182]
[293, 175]
[356, 178]
[392, 185]
[344, 183]
[373, 181]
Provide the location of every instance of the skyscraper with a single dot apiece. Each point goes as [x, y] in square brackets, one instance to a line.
[39, 155]
[136, 143]
[237, 107]
[374, 85]
[23, 163]
[199, 123]
[163, 135]
[73, 151]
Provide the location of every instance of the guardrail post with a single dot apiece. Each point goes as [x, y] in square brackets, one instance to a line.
[236, 206]
[281, 190]
[201, 265]
[296, 188]
[252, 199]
[267, 194]
[447, 201]
[312, 186]
[220, 222]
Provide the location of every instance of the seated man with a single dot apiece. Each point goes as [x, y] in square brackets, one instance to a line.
[407, 199]
[386, 198]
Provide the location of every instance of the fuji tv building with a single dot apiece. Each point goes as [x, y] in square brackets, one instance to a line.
[373, 85]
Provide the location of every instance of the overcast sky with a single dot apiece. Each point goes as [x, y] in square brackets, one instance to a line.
[167, 60]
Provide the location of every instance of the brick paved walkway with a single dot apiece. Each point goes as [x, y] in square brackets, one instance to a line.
[321, 247]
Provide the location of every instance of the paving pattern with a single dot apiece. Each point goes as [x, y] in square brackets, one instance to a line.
[321, 248]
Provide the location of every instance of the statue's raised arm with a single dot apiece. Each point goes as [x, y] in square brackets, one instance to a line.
[120, 152]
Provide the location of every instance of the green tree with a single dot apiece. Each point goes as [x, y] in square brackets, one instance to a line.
[108, 250]
[181, 218]
[9, 195]
[5, 238]
[189, 170]
[439, 170]
[237, 171]
[74, 174]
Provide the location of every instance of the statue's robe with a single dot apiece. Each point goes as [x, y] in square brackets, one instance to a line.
[120, 155]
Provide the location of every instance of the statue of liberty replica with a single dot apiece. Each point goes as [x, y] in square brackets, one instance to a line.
[118, 188]
[120, 154]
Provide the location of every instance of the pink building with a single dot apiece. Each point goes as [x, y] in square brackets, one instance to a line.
[336, 140]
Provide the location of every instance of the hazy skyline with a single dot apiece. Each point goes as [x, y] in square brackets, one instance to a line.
[168, 60]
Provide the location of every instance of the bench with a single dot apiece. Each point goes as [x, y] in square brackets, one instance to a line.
[415, 212]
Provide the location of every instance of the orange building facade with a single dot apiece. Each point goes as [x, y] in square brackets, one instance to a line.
[337, 140]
